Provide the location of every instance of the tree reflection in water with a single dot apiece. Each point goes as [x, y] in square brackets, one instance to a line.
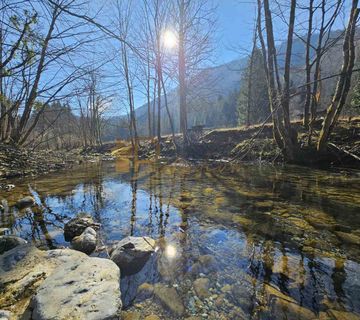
[261, 234]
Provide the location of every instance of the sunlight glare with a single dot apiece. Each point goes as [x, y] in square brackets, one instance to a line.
[169, 39]
[170, 251]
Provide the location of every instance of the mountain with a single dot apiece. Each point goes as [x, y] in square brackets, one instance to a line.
[212, 98]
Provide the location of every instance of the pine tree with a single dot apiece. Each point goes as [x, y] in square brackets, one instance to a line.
[254, 105]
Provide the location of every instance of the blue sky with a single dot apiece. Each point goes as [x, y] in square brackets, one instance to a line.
[234, 33]
[235, 24]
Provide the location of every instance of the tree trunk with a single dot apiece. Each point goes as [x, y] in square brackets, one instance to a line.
[286, 138]
[168, 110]
[154, 107]
[33, 92]
[286, 91]
[308, 66]
[343, 85]
[182, 72]
[251, 66]
[148, 96]
[270, 77]
[159, 76]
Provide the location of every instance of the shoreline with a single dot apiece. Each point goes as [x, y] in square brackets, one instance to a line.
[235, 145]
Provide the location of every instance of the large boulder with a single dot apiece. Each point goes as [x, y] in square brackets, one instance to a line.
[130, 283]
[25, 202]
[76, 226]
[84, 289]
[24, 269]
[131, 253]
[86, 242]
[9, 242]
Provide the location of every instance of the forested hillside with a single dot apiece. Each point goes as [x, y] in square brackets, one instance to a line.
[215, 93]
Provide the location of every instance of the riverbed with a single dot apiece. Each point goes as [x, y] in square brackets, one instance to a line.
[234, 241]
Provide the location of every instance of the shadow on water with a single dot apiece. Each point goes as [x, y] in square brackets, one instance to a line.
[268, 242]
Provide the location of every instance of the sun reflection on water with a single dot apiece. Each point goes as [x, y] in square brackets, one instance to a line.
[170, 251]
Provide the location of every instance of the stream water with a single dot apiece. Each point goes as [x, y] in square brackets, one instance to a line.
[245, 241]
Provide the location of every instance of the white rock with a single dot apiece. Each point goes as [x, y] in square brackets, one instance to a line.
[85, 289]
[25, 269]
[22, 270]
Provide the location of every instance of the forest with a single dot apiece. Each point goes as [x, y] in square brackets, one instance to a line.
[57, 91]
[179, 159]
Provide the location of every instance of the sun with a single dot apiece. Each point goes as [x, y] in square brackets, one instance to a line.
[169, 39]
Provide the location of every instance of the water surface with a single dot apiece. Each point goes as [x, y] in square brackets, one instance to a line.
[272, 242]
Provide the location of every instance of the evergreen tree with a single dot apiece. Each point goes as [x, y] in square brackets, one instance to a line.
[254, 105]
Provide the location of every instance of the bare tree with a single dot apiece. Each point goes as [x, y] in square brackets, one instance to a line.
[323, 45]
[123, 21]
[343, 84]
[195, 24]
[37, 66]
[92, 106]
[279, 91]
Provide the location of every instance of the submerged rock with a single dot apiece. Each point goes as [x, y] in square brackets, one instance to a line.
[285, 307]
[201, 287]
[342, 315]
[131, 253]
[86, 242]
[76, 226]
[131, 283]
[145, 291]
[170, 299]
[349, 238]
[130, 315]
[9, 242]
[152, 317]
[84, 289]
[25, 202]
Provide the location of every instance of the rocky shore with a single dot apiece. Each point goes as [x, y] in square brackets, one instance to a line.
[67, 283]
[16, 162]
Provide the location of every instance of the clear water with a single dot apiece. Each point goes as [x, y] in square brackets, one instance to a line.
[273, 242]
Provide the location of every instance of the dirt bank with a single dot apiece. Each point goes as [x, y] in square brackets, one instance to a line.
[255, 143]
